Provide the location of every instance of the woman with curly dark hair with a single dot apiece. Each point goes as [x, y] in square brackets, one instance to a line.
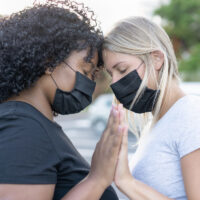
[48, 61]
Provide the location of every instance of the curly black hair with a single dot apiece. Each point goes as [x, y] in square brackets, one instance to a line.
[41, 37]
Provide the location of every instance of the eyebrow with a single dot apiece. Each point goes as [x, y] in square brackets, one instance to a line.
[90, 67]
[113, 67]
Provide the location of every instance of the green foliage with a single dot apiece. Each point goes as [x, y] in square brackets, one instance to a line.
[181, 20]
[190, 67]
[193, 61]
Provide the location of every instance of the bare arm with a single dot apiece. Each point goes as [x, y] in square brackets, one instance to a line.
[190, 165]
[135, 190]
[24, 192]
[89, 188]
[103, 163]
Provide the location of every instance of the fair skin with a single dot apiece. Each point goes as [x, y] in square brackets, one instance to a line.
[41, 96]
[134, 189]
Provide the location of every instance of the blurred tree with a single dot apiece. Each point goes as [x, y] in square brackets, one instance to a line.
[190, 66]
[181, 20]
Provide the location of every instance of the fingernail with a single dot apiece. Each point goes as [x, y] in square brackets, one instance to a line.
[115, 112]
[119, 128]
[120, 106]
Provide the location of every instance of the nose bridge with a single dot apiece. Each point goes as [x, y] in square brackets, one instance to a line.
[114, 78]
[113, 81]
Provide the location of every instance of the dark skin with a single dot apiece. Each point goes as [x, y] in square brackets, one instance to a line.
[41, 96]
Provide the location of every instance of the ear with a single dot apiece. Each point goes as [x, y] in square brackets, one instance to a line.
[158, 59]
[49, 71]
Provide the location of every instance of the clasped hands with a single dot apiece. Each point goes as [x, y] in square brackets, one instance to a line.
[110, 159]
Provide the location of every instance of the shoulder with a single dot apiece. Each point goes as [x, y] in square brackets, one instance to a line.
[187, 134]
[21, 120]
[181, 123]
[26, 154]
[189, 112]
[183, 117]
[20, 125]
[19, 130]
[191, 102]
[184, 114]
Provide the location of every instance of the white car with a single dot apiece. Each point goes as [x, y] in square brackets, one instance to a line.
[191, 88]
[99, 112]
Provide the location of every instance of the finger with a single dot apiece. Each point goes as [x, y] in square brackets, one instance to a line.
[122, 114]
[122, 117]
[116, 140]
[124, 145]
[112, 125]
[110, 119]
[115, 124]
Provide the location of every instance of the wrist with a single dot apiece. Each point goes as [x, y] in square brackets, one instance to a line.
[124, 182]
[97, 181]
[129, 187]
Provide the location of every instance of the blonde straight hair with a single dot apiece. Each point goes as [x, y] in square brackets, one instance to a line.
[140, 37]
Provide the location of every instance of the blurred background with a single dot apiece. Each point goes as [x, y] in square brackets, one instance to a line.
[181, 20]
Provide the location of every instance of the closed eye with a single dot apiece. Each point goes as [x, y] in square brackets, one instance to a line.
[121, 68]
[122, 71]
[86, 73]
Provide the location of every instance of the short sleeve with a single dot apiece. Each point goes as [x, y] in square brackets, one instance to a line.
[26, 154]
[109, 194]
[189, 138]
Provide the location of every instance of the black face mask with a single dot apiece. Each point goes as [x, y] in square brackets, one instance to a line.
[125, 91]
[76, 100]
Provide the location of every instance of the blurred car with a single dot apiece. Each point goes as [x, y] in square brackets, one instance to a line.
[100, 108]
[99, 112]
[191, 87]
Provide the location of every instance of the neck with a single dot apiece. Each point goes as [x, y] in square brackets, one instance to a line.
[170, 98]
[37, 99]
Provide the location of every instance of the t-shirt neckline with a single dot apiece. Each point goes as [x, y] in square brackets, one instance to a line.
[32, 108]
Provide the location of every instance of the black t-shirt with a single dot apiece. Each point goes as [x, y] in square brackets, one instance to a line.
[35, 150]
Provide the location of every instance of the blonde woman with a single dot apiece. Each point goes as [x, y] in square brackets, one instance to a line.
[140, 58]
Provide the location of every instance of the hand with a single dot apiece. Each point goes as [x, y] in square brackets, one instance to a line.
[105, 157]
[122, 173]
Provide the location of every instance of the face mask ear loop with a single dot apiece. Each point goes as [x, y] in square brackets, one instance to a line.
[54, 80]
[69, 66]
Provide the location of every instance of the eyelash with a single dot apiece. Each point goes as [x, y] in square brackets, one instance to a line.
[86, 73]
[123, 71]
[92, 75]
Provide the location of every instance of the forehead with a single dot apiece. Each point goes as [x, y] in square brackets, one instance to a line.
[111, 58]
[78, 57]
